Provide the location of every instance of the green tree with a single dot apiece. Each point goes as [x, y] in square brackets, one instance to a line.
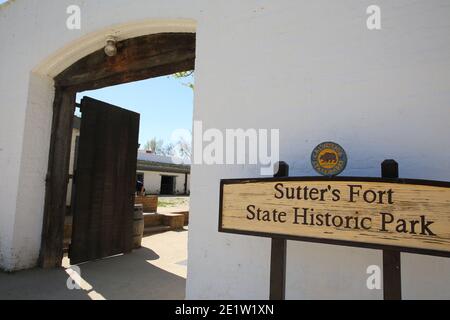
[185, 74]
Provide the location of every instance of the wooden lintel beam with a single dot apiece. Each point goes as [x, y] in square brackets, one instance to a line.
[134, 56]
[135, 75]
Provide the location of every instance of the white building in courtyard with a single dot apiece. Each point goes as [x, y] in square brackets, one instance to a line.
[163, 174]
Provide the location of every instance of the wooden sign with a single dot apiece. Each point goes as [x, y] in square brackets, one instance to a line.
[411, 215]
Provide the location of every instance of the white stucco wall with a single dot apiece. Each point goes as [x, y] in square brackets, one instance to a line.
[152, 182]
[309, 68]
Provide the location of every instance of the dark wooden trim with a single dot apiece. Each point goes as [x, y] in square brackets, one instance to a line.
[137, 59]
[344, 243]
[116, 79]
[51, 252]
[278, 269]
[435, 183]
[389, 169]
[392, 278]
[278, 253]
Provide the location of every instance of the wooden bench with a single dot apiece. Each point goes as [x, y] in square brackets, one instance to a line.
[159, 222]
[174, 220]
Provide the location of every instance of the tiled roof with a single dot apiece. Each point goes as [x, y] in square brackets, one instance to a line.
[144, 156]
[154, 162]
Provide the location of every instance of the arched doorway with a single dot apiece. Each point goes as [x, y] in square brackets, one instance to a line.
[138, 58]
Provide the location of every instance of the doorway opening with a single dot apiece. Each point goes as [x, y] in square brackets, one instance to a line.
[104, 162]
[167, 185]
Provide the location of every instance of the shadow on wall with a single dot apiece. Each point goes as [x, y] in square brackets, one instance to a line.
[129, 276]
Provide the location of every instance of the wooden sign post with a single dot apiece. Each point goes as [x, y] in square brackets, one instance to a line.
[392, 279]
[278, 253]
[391, 214]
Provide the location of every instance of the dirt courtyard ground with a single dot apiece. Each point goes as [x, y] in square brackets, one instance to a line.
[173, 204]
[155, 271]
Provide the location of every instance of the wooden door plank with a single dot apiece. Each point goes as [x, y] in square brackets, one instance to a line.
[103, 212]
[51, 251]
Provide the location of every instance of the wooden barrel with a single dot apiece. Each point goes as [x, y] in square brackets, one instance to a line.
[138, 225]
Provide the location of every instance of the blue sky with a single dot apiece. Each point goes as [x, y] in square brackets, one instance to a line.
[164, 103]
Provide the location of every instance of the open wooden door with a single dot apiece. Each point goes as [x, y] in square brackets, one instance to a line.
[105, 181]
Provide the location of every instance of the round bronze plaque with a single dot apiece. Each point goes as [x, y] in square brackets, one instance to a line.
[329, 159]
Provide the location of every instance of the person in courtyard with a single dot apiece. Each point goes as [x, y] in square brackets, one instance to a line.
[140, 188]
